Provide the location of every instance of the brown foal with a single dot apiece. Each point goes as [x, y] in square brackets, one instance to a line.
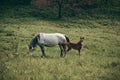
[76, 46]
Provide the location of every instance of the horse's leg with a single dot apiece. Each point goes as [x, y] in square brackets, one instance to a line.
[64, 48]
[61, 49]
[42, 49]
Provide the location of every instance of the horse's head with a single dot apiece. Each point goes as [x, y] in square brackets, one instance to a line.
[33, 43]
[31, 48]
[81, 39]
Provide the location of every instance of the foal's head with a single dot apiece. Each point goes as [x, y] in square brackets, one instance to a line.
[81, 39]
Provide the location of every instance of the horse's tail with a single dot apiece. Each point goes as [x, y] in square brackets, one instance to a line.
[68, 40]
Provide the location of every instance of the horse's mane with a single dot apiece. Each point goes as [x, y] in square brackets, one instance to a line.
[68, 40]
[35, 40]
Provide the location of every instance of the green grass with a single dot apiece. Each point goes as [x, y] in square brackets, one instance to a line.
[100, 58]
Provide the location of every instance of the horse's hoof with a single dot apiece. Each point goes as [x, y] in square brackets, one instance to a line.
[64, 55]
[61, 55]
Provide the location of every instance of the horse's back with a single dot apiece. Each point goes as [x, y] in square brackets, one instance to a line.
[51, 39]
[51, 35]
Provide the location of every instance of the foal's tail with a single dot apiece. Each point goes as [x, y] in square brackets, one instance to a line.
[68, 40]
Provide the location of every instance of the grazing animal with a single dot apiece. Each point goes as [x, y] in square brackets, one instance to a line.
[49, 40]
[76, 46]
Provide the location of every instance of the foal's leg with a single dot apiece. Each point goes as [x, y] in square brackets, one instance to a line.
[42, 49]
[61, 49]
[79, 52]
[69, 48]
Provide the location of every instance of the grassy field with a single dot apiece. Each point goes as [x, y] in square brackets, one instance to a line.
[100, 58]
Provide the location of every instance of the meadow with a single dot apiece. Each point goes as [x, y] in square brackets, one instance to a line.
[100, 58]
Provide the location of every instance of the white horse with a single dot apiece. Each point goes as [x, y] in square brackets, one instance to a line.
[49, 40]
